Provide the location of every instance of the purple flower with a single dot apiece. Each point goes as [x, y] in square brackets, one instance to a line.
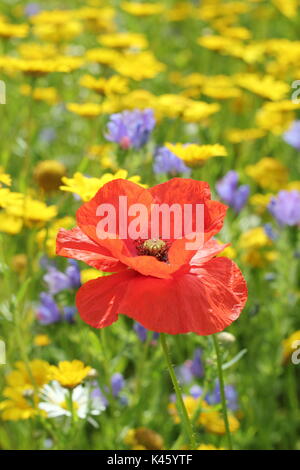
[286, 207]
[32, 9]
[231, 396]
[196, 391]
[47, 135]
[191, 369]
[141, 332]
[117, 383]
[270, 232]
[292, 135]
[58, 281]
[235, 196]
[73, 274]
[69, 314]
[197, 365]
[166, 162]
[131, 128]
[48, 311]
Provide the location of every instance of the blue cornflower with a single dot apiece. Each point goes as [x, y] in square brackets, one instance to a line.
[130, 128]
[166, 161]
[231, 396]
[141, 332]
[48, 311]
[57, 281]
[235, 196]
[286, 207]
[292, 135]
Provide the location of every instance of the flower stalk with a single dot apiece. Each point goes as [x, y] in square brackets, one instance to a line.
[222, 390]
[180, 403]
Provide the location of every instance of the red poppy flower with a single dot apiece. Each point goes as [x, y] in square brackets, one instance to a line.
[158, 283]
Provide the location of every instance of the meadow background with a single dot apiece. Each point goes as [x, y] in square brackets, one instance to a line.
[217, 74]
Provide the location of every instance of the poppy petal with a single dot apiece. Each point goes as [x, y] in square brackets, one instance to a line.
[191, 192]
[109, 195]
[209, 250]
[75, 244]
[203, 302]
[98, 301]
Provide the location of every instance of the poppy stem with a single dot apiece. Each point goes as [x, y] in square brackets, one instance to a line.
[222, 390]
[180, 403]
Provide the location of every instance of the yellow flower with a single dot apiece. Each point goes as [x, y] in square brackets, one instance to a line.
[276, 117]
[289, 345]
[97, 19]
[86, 187]
[47, 94]
[19, 405]
[66, 64]
[138, 66]
[259, 258]
[50, 32]
[180, 11]
[142, 9]
[48, 174]
[103, 56]
[228, 252]
[5, 178]
[9, 198]
[193, 154]
[209, 447]
[140, 99]
[260, 201]
[19, 263]
[169, 105]
[269, 173]
[56, 25]
[69, 374]
[46, 238]
[24, 377]
[33, 212]
[35, 67]
[35, 51]
[220, 87]
[255, 246]
[198, 110]
[213, 422]
[293, 185]
[250, 53]
[109, 86]
[234, 32]
[8, 30]
[10, 224]
[41, 340]
[265, 86]
[88, 110]
[143, 439]
[89, 274]
[243, 135]
[123, 40]
[193, 80]
[287, 7]
[254, 238]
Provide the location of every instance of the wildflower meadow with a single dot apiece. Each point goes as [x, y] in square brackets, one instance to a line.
[149, 225]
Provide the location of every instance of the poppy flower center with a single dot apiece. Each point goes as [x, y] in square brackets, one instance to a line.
[153, 247]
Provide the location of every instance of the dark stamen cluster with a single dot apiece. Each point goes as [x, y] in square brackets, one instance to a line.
[152, 247]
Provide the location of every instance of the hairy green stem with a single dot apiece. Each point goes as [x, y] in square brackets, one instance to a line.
[222, 390]
[180, 403]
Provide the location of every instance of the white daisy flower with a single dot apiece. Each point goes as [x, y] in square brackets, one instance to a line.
[54, 401]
